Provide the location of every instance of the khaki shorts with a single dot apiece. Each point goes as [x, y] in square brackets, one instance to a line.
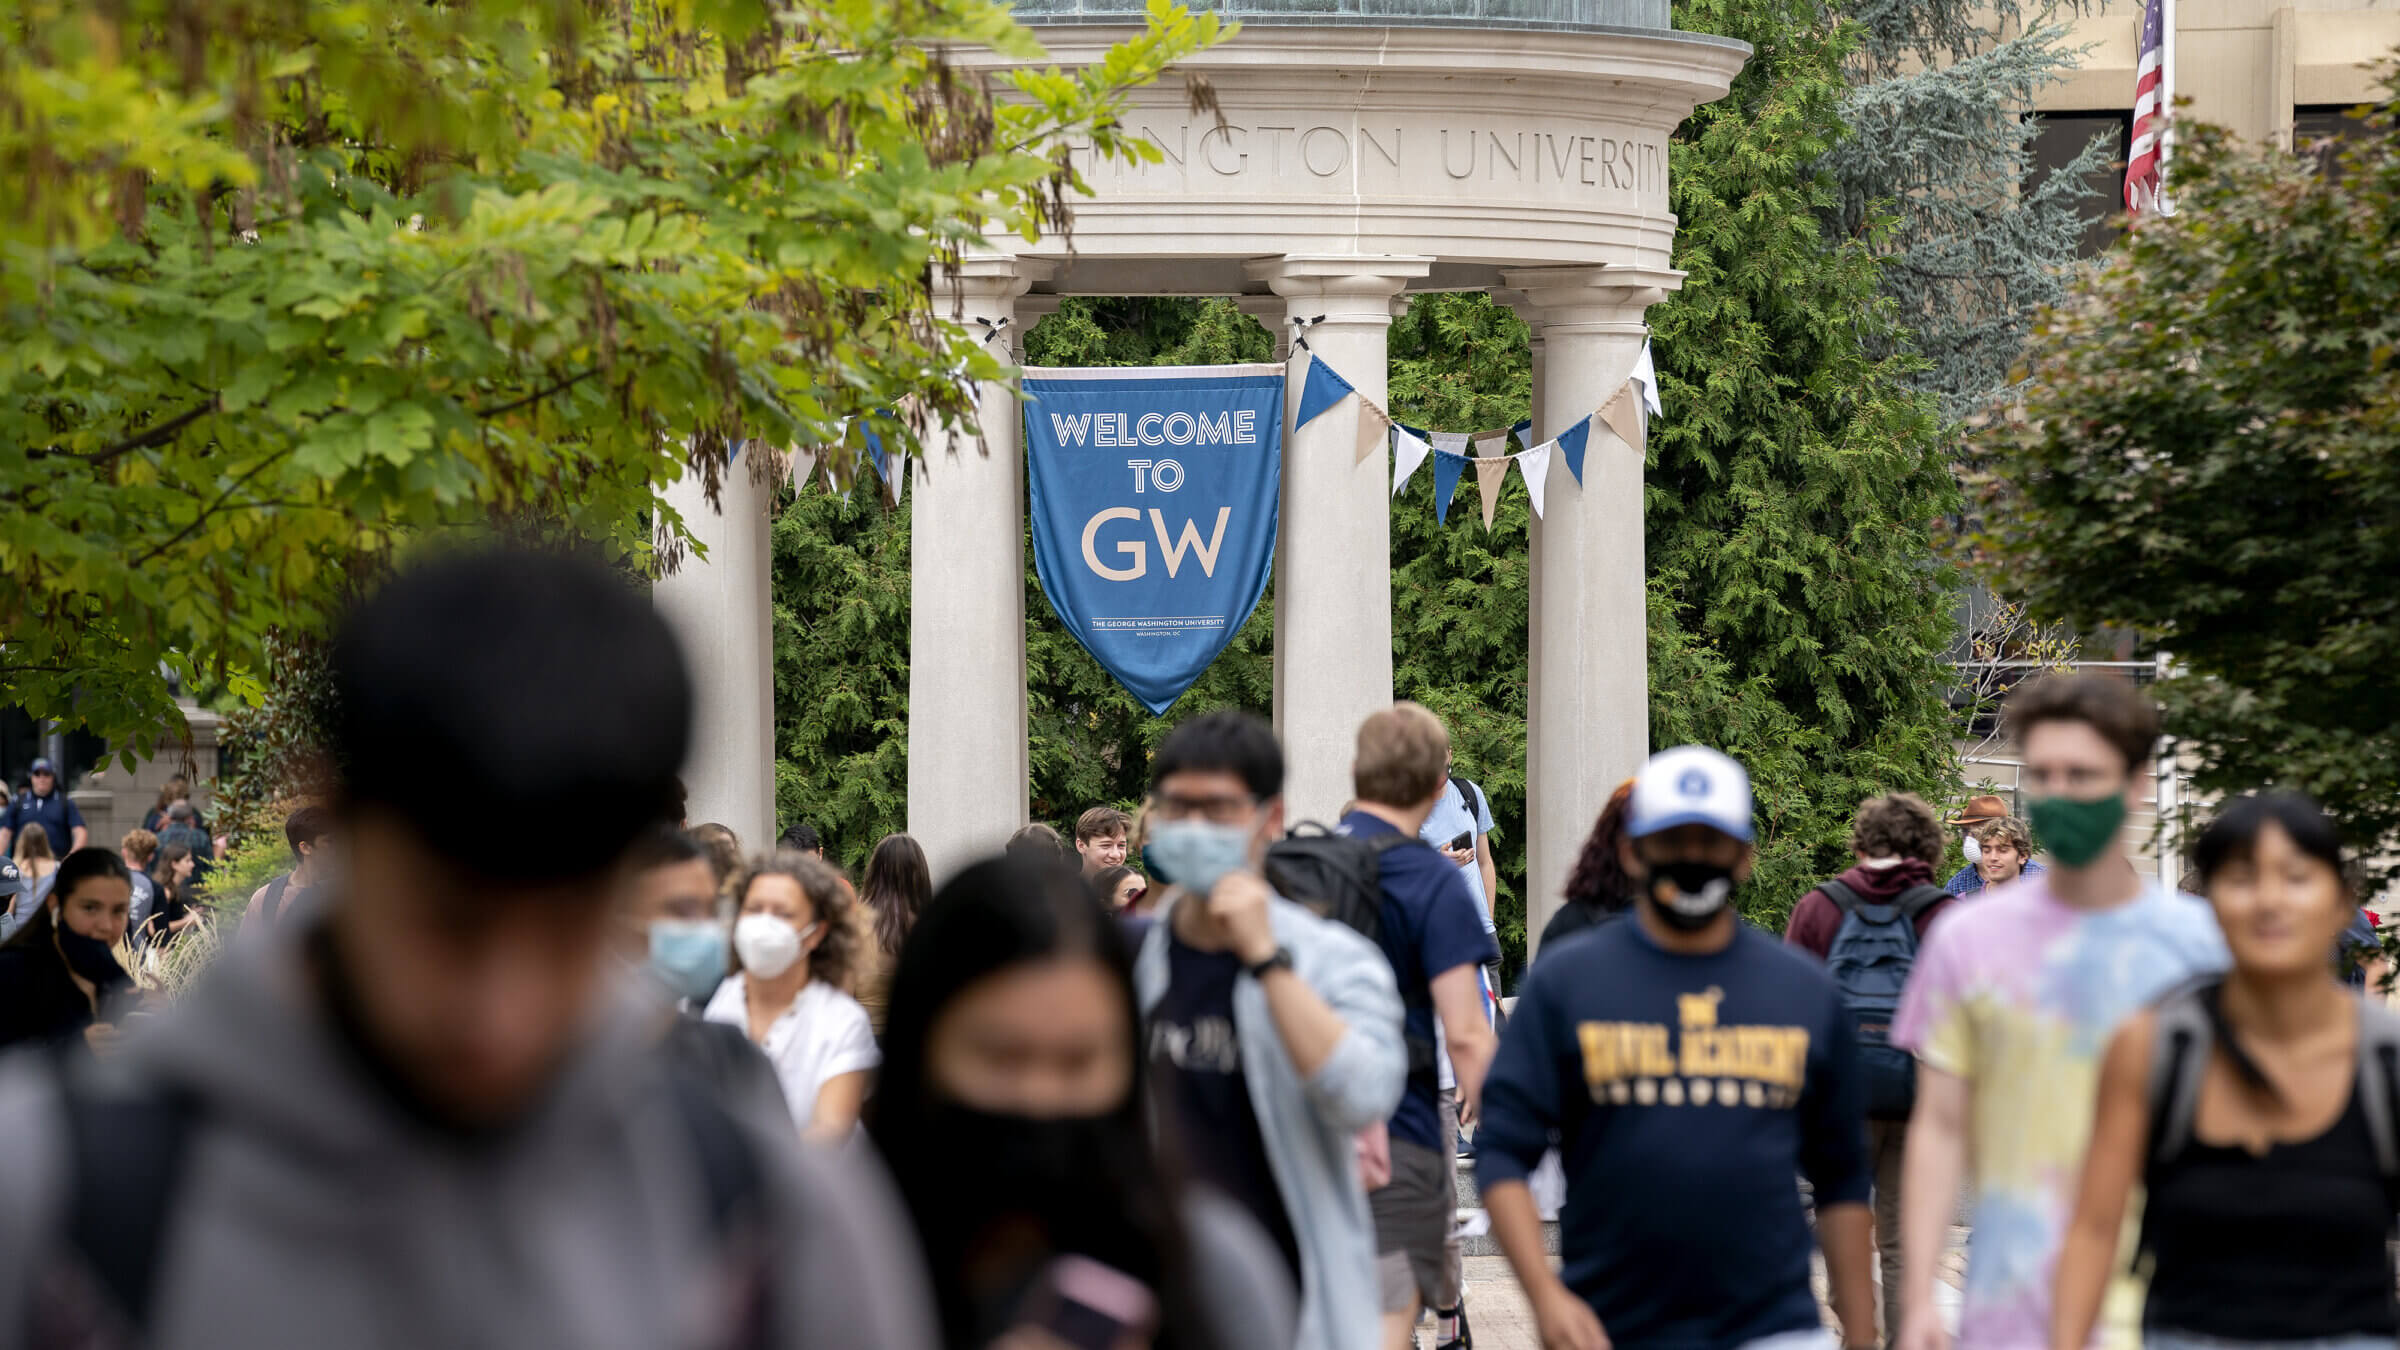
[1413, 1217]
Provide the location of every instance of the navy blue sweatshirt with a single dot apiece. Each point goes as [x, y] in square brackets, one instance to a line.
[1688, 1093]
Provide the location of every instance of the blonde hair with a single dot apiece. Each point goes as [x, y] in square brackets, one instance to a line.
[1403, 753]
[2006, 830]
[33, 845]
[138, 843]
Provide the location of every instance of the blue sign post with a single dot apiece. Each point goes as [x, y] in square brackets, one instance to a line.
[1154, 499]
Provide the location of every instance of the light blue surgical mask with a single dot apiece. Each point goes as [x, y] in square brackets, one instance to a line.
[1196, 854]
[688, 955]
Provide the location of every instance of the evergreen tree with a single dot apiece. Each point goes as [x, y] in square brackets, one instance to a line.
[1941, 141]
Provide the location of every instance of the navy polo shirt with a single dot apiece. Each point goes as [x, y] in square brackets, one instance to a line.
[1430, 927]
[56, 814]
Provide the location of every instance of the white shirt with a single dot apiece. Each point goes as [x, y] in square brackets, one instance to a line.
[823, 1035]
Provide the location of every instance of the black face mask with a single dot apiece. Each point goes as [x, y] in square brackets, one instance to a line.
[1034, 1187]
[1688, 896]
[88, 957]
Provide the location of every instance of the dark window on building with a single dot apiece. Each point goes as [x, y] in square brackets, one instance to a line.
[2058, 138]
[2320, 130]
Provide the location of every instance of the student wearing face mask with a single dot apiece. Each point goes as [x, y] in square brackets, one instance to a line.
[1971, 823]
[794, 946]
[671, 930]
[58, 982]
[1691, 1065]
[2009, 1008]
[1275, 1035]
[1012, 1115]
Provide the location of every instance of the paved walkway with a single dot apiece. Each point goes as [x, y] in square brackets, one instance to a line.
[1502, 1320]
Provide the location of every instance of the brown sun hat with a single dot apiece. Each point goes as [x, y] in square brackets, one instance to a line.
[1980, 809]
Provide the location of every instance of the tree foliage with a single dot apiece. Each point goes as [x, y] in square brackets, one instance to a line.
[1940, 151]
[2209, 453]
[285, 283]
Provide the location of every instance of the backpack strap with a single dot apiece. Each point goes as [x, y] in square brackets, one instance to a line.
[1919, 898]
[126, 1152]
[1472, 797]
[2379, 1083]
[1846, 900]
[2179, 1050]
[274, 901]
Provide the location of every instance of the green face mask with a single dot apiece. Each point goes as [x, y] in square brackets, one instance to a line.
[2076, 833]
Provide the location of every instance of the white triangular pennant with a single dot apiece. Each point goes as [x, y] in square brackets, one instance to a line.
[1410, 451]
[1535, 465]
[1646, 375]
[804, 464]
[1453, 441]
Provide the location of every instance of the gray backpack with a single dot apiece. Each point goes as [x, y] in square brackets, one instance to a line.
[2186, 1034]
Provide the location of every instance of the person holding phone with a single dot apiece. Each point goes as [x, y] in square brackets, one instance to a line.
[1012, 1115]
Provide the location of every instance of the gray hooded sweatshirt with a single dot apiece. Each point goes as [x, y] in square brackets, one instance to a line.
[310, 1211]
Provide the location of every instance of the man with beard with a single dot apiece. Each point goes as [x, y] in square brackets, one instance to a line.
[1690, 1065]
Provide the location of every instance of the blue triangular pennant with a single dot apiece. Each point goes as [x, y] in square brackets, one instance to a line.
[1446, 469]
[1523, 431]
[1419, 432]
[1323, 389]
[1571, 443]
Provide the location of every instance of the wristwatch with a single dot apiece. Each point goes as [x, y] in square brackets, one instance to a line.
[1281, 960]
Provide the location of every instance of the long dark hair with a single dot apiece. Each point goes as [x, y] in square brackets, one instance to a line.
[80, 866]
[897, 886]
[995, 915]
[162, 872]
[2233, 837]
[1599, 879]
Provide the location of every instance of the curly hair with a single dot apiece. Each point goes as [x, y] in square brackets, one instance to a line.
[1897, 825]
[1599, 879]
[829, 898]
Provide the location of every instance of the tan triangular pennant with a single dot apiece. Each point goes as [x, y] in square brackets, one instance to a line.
[1623, 413]
[1374, 430]
[1489, 475]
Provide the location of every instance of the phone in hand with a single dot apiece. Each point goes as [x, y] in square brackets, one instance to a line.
[1466, 839]
[1089, 1306]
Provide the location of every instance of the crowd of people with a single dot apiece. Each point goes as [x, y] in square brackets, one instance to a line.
[1195, 1076]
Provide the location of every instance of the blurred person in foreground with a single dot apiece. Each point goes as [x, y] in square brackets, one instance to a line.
[2009, 1008]
[435, 1113]
[1012, 1111]
[898, 885]
[59, 985]
[2256, 1113]
[1691, 1066]
[795, 946]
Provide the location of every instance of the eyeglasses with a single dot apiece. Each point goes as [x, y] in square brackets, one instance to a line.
[1221, 810]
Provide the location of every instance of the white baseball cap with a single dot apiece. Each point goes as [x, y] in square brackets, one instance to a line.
[1691, 785]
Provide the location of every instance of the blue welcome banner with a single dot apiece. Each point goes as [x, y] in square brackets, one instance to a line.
[1154, 499]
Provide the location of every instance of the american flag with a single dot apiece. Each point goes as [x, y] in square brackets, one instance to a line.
[2149, 112]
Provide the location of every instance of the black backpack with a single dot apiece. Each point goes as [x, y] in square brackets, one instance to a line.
[1341, 878]
[2179, 1051]
[1870, 958]
[1334, 875]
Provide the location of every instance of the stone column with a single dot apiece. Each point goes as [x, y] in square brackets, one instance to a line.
[1333, 579]
[718, 608]
[1272, 315]
[967, 746]
[1588, 705]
